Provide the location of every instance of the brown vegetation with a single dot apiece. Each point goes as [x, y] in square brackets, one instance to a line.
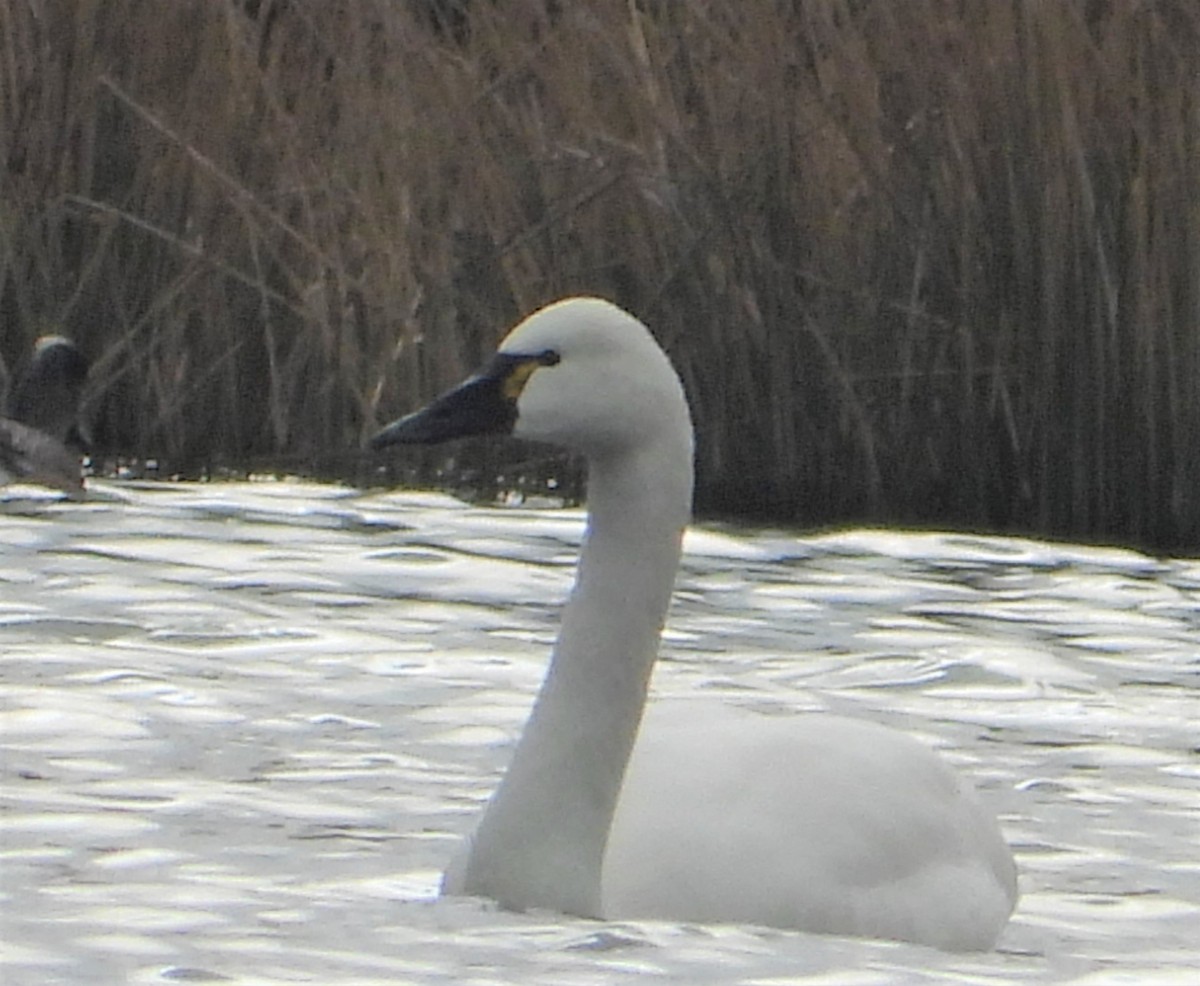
[923, 262]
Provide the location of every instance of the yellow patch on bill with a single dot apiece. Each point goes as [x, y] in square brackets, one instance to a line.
[514, 382]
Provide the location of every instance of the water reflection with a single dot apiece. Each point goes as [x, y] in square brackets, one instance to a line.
[243, 725]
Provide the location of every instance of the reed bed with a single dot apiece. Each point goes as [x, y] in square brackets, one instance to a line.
[925, 263]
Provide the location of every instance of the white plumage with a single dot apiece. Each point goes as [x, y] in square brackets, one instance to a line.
[808, 821]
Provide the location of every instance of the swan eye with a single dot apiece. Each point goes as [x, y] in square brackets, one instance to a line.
[549, 358]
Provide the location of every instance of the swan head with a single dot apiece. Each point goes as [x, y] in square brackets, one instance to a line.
[580, 373]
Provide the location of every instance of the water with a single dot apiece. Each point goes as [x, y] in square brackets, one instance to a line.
[243, 725]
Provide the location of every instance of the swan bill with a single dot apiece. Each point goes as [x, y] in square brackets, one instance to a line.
[486, 404]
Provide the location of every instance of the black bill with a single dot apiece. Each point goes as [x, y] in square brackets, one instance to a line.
[486, 404]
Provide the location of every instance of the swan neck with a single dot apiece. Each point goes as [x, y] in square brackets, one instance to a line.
[542, 839]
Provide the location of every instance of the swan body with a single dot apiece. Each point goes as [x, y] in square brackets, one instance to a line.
[702, 814]
[872, 834]
[43, 417]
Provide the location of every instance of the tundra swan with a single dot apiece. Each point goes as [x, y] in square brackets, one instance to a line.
[43, 416]
[809, 821]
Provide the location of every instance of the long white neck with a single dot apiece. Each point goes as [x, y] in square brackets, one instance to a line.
[541, 841]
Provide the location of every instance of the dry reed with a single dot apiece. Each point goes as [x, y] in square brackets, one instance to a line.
[922, 263]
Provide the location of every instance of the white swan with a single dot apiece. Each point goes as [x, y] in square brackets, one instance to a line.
[808, 821]
[43, 417]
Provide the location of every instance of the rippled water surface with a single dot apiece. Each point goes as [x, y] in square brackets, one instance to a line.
[244, 724]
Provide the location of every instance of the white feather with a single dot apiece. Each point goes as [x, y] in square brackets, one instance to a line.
[808, 821]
